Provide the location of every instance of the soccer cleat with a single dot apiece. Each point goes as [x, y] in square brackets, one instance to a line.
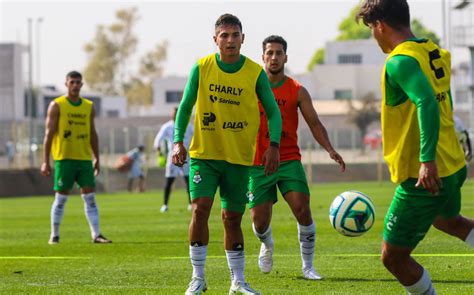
[197, 286]
[311, 274]
[164, 209]
[265, 258]
[100, 239]
[241, 288]
[53, 240]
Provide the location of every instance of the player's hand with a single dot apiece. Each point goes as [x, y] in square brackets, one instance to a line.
[428, 177]
[96, 167]
[45, 169]
[271, 160]
[338, 159]
[179, 154]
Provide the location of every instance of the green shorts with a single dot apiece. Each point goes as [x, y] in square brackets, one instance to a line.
[206, 175]
[413, 210]
[289, 177]
[66, 172]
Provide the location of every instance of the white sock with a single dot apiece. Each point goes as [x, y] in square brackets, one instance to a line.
[423, 286]
[57, 213]
[92, 213]
[236, 262]
[307, 237]
[265, 237]
[470, 238]
[198, 259]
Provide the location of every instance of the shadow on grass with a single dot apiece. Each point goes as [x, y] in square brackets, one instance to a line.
[385, 280]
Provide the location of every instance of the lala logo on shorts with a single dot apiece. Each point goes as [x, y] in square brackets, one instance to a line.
[197, 177]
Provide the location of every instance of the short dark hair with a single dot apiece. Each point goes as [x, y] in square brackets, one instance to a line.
[228, 19]
[274, 39]
[73, 74]
[395, 13]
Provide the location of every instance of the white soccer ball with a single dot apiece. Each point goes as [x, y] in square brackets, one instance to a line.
[352, 213]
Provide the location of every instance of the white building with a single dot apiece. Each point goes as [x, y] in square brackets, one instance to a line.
[12, 91]
[351, 70]
[105, 106]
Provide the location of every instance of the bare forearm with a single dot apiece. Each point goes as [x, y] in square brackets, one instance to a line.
[48, 139]
[321, 136]
[95, 145]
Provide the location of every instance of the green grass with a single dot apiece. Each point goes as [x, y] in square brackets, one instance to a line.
[149, 254]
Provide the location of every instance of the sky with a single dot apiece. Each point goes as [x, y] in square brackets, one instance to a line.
[66, 26]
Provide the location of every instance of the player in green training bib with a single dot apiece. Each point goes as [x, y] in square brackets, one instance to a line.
[72, 140]
[419, 142]
[226, 88]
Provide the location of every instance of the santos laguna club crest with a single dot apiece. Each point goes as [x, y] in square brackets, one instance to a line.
[250, 196]
[197, 177]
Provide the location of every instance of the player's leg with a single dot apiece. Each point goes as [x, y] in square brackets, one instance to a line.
[167, 192]
[141, 183]
[130, 184]
[294, 188]
[449, 220]
[86, 181]
[262, 194]
[203, 185]
[63, 182]
[411, 213]
[233, 192]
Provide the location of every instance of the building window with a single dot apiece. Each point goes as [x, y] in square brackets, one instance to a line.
[173, 96]
[113, 113]
[343, 94]
[349, 59]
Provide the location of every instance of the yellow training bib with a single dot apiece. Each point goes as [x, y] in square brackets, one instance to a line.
[401, 134]
[227, 115]
[72, 138]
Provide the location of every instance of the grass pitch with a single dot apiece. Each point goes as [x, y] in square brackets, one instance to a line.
[149, 253]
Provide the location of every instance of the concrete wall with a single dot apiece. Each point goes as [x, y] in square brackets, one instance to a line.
[30, 183]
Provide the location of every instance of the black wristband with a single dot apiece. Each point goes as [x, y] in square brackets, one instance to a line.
[274, 144]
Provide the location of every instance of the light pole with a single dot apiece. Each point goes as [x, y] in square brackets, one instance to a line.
[29, 102]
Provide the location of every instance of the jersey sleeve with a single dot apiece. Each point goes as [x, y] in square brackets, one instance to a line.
[265, 94]
[405, 72]
[187, 103]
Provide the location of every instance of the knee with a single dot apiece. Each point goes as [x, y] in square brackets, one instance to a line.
[201, 211]
[231, 219]
[303, 215]
[260, 226]
[392, 261]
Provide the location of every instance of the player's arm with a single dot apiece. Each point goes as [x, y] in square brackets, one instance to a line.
[406, 72]
[468, 154]
[271, 157]
[183, 115]
[158, 139]
[317, 128]
[52, 119]
[95, 143]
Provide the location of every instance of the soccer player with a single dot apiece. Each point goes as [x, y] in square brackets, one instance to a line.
[419, 142]
[290, 177]
[166, 133]
[136, 170]
[226, 87]
[72, 139]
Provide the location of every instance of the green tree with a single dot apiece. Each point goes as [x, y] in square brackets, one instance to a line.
[100, 70]
[349, 29]
[140, 90]
[109, 54]
[364, 115]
